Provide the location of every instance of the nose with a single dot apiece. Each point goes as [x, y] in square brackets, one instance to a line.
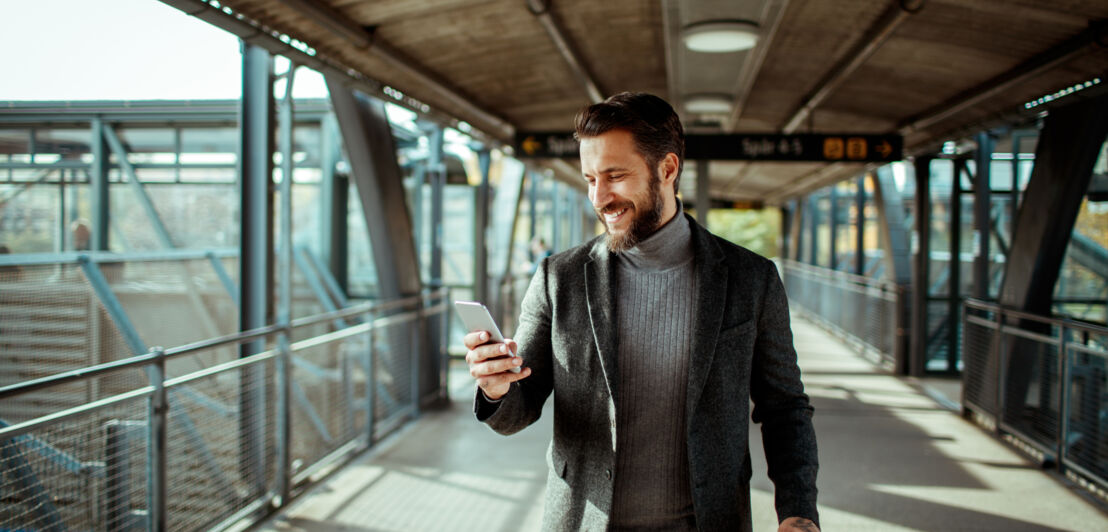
[599, 194]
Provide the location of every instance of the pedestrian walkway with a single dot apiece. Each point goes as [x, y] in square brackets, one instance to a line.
[891, 457]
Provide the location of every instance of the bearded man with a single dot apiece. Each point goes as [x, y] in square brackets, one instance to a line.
[653, 338]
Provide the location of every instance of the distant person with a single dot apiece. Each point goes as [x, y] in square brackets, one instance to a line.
[539, 251]
[654, 338]
[82, 235]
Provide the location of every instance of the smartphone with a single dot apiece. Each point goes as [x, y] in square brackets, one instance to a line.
[476, 317]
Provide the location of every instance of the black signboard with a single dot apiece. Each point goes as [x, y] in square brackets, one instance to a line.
[823, 147]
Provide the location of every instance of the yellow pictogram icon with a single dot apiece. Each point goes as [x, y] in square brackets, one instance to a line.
[885, 149]
[833, 148]
[856, 148]
[531, 146]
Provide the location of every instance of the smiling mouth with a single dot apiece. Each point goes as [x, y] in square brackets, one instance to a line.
[611, 217]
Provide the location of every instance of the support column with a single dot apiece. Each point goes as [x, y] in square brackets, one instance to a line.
[860, 227]
[334, 196]
[813, 229]
[371, 150]
[480, 229]
[921, 267]
[833, 226]
[1069, 144]
[982, 222]
[954, 290]
[796, 229]
[703, 196]
[255, 166]
[436, 172]
[895, 240]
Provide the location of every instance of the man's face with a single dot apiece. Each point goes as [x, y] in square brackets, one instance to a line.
[626, 194]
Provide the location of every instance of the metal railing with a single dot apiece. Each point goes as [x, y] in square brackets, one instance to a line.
[859, 309]
[156, 457]
[1042, 383]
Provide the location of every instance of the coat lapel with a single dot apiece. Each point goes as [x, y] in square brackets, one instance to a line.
[711, 294]
[599, 286]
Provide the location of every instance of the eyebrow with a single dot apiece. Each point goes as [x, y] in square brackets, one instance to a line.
[608, 170]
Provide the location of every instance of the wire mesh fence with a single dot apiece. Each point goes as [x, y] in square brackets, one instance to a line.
[862, 309]
[1043, 381]
[173, 446]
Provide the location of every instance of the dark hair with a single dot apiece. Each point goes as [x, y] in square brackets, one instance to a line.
[652, 122]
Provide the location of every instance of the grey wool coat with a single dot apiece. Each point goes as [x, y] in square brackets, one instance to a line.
[742, 350]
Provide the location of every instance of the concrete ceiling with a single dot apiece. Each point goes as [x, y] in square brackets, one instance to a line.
[931, 70]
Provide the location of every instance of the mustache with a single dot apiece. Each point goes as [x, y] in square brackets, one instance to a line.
[614, 207]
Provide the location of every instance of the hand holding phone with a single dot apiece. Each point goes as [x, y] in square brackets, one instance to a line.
[476, 317]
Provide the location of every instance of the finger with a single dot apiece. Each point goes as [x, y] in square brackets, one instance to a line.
[494, 366]
[507, 377]
[512, 346]
[475, 339]
[488, 351]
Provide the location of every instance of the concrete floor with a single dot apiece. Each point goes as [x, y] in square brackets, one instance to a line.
[892, 458]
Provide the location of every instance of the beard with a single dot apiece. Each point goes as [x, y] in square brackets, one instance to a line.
[645, 221]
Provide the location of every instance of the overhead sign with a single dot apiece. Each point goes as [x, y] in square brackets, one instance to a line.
[812, 147]
[807, 147]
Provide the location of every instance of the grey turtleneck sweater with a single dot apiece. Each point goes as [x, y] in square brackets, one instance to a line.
[655, 308]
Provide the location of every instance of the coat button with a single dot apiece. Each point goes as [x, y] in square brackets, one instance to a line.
[608, 474]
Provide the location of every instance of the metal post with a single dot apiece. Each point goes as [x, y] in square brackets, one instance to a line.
[895, 241]
[954, 290]
[283, 438]
[255, 162]
[703, 196]
[480, 230]
[63, 233]
[813, 230]
[982, 222]
[157, 457]
[436, 170]
[833, 226]
[921, 271]
[860, 227]
[370, 380]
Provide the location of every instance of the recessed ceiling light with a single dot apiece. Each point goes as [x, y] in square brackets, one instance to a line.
[721, 35]
[708, 103]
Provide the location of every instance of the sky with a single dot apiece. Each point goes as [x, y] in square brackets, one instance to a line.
[120, 50]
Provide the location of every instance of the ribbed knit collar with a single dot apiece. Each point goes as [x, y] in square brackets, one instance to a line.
[668, 247]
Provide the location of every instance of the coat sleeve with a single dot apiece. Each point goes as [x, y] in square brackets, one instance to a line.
[522, 405]
[782, 408]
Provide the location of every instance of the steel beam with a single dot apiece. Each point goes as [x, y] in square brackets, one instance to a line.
[256, 261]
[813, 229]
[334, 196]
[1069, 145]
[895, 240]
[897, 12]
[140, 192]
[1027, 70]
[982, 221]
[576, 64]
[255, 33]
[371, 151]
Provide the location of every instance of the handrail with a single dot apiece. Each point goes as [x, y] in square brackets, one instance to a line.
[827, 272]
[85, 373]
[111, 257]
[1053, 320]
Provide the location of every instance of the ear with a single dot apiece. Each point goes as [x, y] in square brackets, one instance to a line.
[668, 167]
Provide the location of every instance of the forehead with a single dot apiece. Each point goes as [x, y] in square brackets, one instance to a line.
[614, 149]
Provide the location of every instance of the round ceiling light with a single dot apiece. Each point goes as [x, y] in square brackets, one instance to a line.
[721, 36]
[708, 103]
